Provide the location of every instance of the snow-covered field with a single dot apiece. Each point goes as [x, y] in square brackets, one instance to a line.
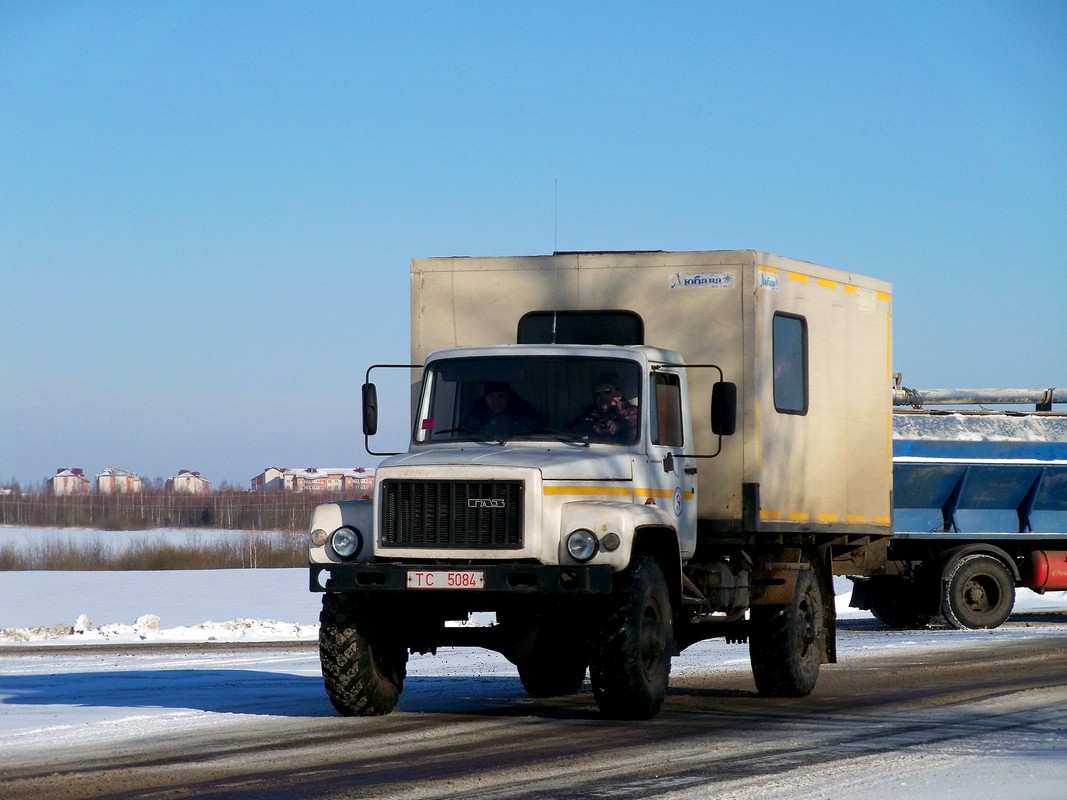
[170, 606]
[198, 605]
[56, 698]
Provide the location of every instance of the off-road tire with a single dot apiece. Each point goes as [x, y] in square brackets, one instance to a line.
[979, 592]
[363, 672]
[631, 660]
[785, 644]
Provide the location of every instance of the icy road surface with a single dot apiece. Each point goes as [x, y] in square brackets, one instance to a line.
[933, 714]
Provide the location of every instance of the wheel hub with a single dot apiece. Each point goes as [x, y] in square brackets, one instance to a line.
[977, 597]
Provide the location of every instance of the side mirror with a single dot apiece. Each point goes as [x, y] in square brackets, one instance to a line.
[724, 408]
[370, 409]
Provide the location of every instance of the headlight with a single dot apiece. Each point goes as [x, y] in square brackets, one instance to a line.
[582, 544]
[346, 542]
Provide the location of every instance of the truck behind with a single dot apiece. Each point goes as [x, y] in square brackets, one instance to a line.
[980, 506]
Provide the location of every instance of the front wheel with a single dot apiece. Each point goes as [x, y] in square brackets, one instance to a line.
[785, 645]
[979, 592]
[363, 668]
[631, 661]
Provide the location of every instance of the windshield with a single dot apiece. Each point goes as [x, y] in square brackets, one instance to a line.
[504, 398]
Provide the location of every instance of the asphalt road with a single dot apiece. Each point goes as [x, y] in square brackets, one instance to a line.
[927, 720]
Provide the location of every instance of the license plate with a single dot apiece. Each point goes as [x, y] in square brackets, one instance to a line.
[446, 579]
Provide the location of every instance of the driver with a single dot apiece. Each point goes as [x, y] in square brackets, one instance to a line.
[499, 412]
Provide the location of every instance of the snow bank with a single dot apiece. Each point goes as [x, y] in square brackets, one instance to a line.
[171, 606]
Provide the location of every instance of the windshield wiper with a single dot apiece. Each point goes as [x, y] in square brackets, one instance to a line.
[564, 435]
[470, 436]
[559, 434]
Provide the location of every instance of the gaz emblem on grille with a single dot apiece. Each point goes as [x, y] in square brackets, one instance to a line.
[478, 502]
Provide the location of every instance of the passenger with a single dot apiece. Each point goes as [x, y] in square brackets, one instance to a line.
[610, 416]
[499, 412]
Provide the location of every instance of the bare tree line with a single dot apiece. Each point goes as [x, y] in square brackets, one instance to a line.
[229, 510]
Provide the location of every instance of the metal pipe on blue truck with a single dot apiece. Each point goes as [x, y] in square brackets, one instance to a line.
[1041, 399]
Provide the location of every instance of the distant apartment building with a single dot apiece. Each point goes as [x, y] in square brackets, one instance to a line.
[68, 480]
[269, 480]
[188, 482]
[117, 481]
[357, 481]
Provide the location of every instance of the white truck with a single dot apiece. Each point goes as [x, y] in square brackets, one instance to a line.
[694, 444]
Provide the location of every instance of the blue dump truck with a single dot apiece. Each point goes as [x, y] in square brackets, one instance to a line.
[979, 507]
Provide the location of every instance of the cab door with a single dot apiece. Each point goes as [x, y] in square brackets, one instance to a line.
[673, 488]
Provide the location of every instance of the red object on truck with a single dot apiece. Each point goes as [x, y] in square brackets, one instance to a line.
[1046, 571]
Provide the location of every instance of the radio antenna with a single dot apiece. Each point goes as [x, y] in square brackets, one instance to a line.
[555, 222]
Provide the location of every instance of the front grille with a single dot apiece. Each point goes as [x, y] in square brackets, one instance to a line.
[452, 514]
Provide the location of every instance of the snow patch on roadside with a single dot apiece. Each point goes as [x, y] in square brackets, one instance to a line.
[147, 629]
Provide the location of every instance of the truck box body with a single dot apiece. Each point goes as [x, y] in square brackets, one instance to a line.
[814, 456]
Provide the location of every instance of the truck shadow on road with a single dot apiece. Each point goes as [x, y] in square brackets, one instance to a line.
[1019, 619]
[257, 692]
[220, 691]
[262, 693]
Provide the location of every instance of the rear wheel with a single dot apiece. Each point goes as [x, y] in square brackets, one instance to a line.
[785, 645]
[979, 592]
[363, 668]
[631, 661]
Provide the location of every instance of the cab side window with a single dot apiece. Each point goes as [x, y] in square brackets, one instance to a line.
[666, 410]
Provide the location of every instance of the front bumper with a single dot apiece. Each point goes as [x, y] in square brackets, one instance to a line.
[500, 579]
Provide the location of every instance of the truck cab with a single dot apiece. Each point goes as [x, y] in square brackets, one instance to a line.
[582, 456]
[536, 473]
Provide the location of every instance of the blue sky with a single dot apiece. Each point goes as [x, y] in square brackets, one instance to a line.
[207, 209]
